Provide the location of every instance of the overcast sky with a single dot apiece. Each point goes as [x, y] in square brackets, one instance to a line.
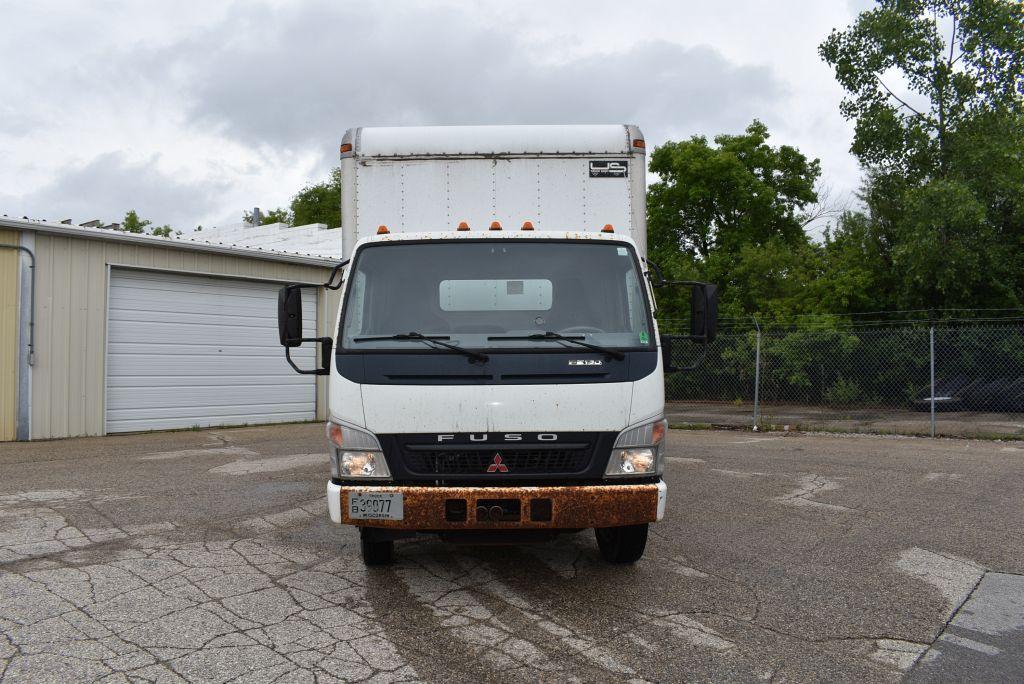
[191, 112]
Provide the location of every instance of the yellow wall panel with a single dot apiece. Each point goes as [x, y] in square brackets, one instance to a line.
[9, 340]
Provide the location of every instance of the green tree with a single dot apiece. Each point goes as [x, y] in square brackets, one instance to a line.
[725, 212]
[319, 202]
[934, 88]
[917, 71]
[279, 215]
[133, 224]
[162, 231]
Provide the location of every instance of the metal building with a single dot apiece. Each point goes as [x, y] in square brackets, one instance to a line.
[135, 332]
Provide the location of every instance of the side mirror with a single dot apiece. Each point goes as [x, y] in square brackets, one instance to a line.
[704, 312]
[289, 330]
[289, 316]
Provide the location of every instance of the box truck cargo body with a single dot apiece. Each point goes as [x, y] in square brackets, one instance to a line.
[497, 370]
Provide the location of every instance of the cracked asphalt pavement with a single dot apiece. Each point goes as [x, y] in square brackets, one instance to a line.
[208, 556]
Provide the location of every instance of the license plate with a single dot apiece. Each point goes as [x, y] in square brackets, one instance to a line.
[375, 506]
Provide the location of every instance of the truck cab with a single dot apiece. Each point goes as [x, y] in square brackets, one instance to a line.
[497, 372]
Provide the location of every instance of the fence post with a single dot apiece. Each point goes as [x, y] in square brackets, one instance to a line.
[931, 341]
[757, 374]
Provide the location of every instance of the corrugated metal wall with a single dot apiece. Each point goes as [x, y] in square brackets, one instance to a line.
[8, 334]
[68, 376]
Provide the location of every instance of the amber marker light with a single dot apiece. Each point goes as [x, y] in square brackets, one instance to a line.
[495, 225]
[608, 228]
[334, 433]
[527, 225]
[463, 226]
[382, 230]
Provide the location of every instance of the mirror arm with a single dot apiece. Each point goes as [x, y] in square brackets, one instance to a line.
[657, 270]
[330, 284]
[316, 371]
[696, 364]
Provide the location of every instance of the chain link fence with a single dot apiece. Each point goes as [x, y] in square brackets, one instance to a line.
[941, 379]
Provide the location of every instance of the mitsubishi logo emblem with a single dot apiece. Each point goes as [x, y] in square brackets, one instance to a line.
[497, 466]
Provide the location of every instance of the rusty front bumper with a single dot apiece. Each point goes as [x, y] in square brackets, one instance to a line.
[570, 507]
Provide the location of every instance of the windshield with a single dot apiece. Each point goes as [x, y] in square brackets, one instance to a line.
[474, 294]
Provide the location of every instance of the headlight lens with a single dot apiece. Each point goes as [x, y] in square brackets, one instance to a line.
[637, 450]
[355, 453]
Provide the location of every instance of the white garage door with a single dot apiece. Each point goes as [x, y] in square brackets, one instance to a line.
[185, 351]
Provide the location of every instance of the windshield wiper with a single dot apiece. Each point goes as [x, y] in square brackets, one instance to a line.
[614, 353]
[428, 339]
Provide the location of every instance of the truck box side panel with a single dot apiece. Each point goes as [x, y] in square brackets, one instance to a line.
[435, 195]
[428, 179]
[422, 193]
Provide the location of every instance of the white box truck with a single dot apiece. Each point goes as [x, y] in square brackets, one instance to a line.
[496, 372]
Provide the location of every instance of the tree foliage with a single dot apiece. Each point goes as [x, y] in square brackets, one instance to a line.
[934, 88]
[278, 215]
[133, 224]
[918, 72]
[734, 212]
[319, 202]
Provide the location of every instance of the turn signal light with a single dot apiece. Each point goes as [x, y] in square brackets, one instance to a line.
[382, 230]
[495, 225]
[463, 226]
[608, 228]
[639, 142]
[346, 148]
[527, 225]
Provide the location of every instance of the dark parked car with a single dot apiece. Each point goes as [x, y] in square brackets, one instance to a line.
[963, 393]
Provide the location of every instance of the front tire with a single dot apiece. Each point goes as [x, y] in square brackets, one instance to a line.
[375, 552]
[622, 544]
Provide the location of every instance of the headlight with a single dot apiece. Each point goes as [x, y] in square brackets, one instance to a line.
[637, 451]
[355, 453]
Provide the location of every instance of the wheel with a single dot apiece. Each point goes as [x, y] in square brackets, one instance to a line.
[375, 552]
[622, 544]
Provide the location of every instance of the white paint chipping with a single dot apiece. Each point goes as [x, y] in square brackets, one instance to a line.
[742, 474]
[447, 593]
[898, 654]
[693, 632]
[971, 644]
[679, 568]
[954, 577]
[810, 486]
[270, 465]
[194, 453]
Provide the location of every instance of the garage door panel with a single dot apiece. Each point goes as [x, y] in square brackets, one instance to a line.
[222, 318]
[161, 350]
[186, 351]
[199, 397]
[237, 367]
[148, 332]
[211, 380]
[183, 304]
[175, 422]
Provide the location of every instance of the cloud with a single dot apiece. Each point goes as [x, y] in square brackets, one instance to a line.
[198, 109]
[320, 69]
[112, 181]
